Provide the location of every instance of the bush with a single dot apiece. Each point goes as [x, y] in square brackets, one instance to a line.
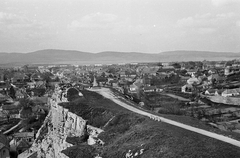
[85, 151]
[77, 140]
[72, 94]
[172, 108]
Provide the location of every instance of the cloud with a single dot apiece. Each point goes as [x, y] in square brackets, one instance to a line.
[110, 22]
[10, 20]
[211, 31]
[226, 15]
[238, 23]
[95, 21]
[219, 3]
[209, 23]
[17, 26]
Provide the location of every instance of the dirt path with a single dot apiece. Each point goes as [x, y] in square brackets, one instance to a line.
[108, 94]
[13, 128]
[177, 97]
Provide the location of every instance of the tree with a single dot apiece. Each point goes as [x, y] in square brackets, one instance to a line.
[12, 92]
[103, 74]
[199, 65]
[72, 94]
[159, 64]
[112, 70]
[25, 102]
[176, 65]
[7, 114]
[47, 76]
[183, 72]
[190, 65]
[229, 63]
[25, 67]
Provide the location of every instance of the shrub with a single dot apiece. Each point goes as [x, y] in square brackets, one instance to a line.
[77, 140]
[85, 151]
[171, 108]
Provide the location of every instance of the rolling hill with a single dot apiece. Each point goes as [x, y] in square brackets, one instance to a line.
[54, 56]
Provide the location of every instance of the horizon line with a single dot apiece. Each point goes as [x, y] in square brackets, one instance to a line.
[56, 49]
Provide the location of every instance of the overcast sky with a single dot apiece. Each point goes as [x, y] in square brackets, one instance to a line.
[149, 26]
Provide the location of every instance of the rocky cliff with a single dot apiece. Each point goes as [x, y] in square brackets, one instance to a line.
[57, 127]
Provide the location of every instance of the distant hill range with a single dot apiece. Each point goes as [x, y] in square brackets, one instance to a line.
[53, 56]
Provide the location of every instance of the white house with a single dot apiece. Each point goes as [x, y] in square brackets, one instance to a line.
[230, 92]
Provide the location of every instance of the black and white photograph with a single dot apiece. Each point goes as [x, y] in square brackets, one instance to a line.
[119, 78]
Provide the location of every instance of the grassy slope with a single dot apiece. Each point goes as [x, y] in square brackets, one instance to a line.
[130, 131]
[186, 120]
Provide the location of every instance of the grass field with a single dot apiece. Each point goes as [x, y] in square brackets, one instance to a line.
[130, 133]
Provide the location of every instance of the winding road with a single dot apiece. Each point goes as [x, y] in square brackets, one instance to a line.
[108, 94]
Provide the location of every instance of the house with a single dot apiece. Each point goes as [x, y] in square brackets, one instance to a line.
[4, 147]
[122, 74]
[165, 71]
[150, 70]
[146, 81]
[120, 89]
[42, 101]
[53, 83]
[211, 92]
[32, 68]
[131, 74]
[220, 65]
[4, 86]
[1, 77]
[133, 88]
[219, 92]
[22, 146]
[36, 77]
[168, 67]
[40, 84]
[101, 80]
[165, 64]
[4, 151]
[227, 71]
[193, 80]
[129, 79]
[11, 108]
[41, 114]
[184, 78]
[212, 71]
[25, 112]
[31, 84]
[19, 77]
[205, 84]
[192, 71]
[188, 88]
[113, 83]
[3, 97]
[216, 78]
[162, 75]
[230, 92]
[148, 89]
[36, 91]
[19, 94]
[28, 136]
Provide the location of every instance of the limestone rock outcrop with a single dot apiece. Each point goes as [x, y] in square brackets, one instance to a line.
[58, 125]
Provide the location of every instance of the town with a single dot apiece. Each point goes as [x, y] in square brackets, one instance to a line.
[206, 90]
